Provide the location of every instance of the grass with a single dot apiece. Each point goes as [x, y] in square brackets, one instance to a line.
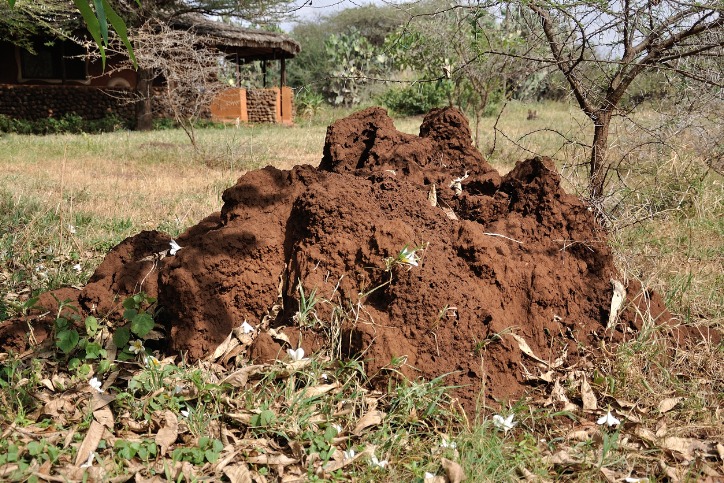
[65, 200]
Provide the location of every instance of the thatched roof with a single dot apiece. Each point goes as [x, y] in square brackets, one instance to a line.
[249, 44]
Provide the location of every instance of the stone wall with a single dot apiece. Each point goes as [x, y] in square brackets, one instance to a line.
[261, 104]
[38, 102]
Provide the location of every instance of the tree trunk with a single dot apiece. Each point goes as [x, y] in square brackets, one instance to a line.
[602, 120]
[144, 115]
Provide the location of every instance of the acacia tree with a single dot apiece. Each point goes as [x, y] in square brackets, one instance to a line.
[602, 47]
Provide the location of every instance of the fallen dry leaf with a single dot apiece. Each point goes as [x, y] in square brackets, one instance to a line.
[619, 295]
[240, 377]
[90, 442]
[168, 433]
[686, 447]
[316, 391]
[589, 398]
[372, 418]
[525, 348]
[668, 404]
[454, 471]
[238, 473]
[105, 417]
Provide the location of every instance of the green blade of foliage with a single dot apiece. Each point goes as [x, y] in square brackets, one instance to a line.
[102, 22]
[93, 26]
[120, 27]
[121, 337]
[11, 3]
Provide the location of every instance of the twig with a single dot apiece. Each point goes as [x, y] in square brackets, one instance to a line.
[503, 236]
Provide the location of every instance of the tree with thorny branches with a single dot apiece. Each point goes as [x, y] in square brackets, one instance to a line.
[602, 47]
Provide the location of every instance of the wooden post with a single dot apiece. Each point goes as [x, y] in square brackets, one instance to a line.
[282, 81]
[263, 72]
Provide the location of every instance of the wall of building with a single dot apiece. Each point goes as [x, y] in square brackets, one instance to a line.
[37, 102]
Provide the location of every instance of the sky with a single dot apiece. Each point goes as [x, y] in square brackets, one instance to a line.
[320, 8]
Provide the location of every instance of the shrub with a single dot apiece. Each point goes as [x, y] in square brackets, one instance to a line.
[415, 99]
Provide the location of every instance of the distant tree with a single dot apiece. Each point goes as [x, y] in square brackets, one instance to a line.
[601, 48]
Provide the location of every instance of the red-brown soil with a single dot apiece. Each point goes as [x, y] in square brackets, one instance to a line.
[522, 257]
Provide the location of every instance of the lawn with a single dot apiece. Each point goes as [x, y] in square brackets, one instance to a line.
[65, 200]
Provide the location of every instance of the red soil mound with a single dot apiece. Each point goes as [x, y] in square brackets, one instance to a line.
[504, 260]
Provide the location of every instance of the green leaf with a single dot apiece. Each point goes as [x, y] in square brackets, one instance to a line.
[102, 22]
[93, 350]
[94, 27]
[129, 303]
[67, 340]
[120, 27]
[104, 366]
[121, 337]
[142, 324]
[12, 3]
[129, 314]
[91, 325]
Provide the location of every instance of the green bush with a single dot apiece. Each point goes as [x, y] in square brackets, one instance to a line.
[415, 99]
[68, 123]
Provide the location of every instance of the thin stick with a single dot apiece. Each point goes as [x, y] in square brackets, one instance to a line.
[503, 236]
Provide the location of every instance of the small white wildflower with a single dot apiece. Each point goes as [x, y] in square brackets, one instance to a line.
[448, 444]
[631, 479]
[325, 377]
[174, 247]
[608, 419]
[152, 362]
[337, 428]
[96, 384]
[77, 267]
[247, 328]
[71, 229]
[349, 454]
[505, 424]
[296, 355]
[89, 462]
[409, 257]
[375, 462]
[428, 476]
[136, 347]
[185, 413]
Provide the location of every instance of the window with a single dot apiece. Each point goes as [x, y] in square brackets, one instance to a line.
[61, 60]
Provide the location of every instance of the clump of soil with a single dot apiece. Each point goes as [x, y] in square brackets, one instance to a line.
[503, 260]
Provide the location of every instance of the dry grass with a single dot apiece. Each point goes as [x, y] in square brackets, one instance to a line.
[667, 228]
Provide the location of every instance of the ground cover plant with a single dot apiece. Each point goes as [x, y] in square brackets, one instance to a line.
[310, 417]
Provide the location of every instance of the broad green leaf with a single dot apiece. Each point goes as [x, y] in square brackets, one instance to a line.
[91, 325]
[67, 340]
[120, 27]
[102, 22]
[12, 3]
[129, 303]
[121, 337]
[129, 314]
[93, 350]
[93, 26]
[142, 324]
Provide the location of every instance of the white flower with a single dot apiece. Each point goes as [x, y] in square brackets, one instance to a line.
[152, 362]
[409, 257]
[77, 267]
[296, 355]
[375, 462]
[448, 444]
[174, 247]
[247, 328]
[337, 428]
[349, 454]
[89, 462]
[136, 347]
[325, 377]
[505, 424]
[428, 476]
[608, 419]
[71, 229]
[631, 479]
[185, 413]
[96, 384]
